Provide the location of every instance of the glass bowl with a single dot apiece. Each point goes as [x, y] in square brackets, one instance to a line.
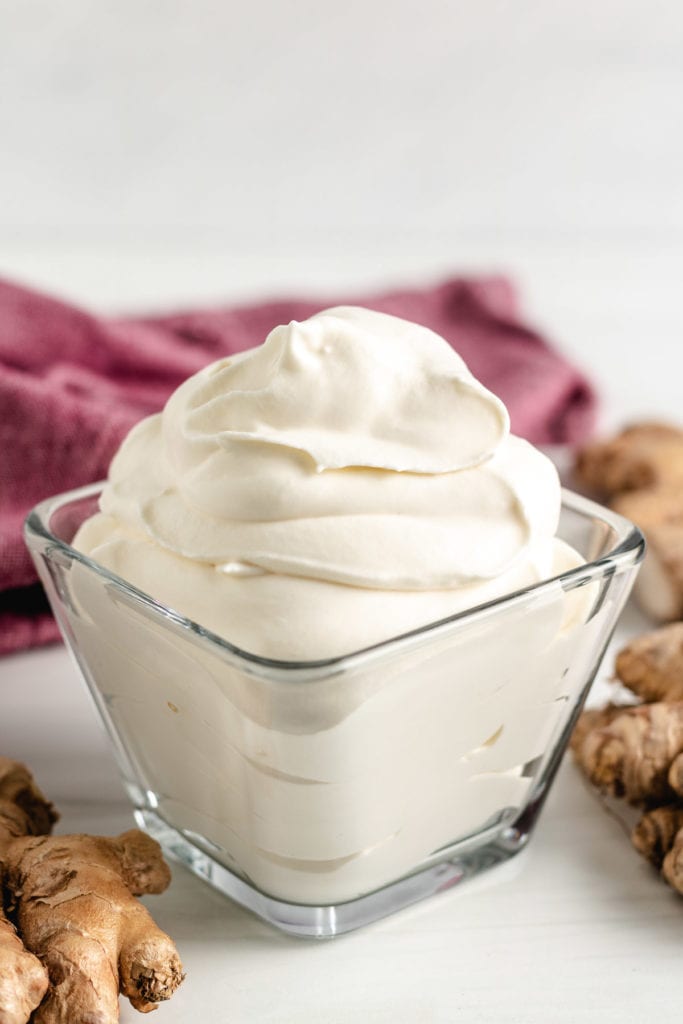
[324, 795]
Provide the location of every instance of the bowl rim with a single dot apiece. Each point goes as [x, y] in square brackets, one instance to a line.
[627, 553]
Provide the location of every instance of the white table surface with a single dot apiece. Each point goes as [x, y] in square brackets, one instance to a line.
[576, 928]
[162, 155]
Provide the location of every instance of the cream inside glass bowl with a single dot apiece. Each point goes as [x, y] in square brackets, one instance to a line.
[337, 620]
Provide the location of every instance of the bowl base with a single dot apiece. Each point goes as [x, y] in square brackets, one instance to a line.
[447, 868]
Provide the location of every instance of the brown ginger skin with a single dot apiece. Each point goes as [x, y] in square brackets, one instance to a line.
[632, 755]
[23, 979]
[652, 507]
[73, 899]
[651, 666]
[23, 811]
[642, 456]
[637, 752]
[672, 868]
[590, 719]
[675, 776]
[659, 588]
[640, 473]
[76, 910]
[654, 834]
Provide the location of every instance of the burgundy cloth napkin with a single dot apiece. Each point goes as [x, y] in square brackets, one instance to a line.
[72, 384]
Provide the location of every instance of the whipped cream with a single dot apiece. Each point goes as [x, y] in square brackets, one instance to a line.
[343, 483]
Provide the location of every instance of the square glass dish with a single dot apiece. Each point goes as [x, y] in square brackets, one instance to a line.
[324, 795]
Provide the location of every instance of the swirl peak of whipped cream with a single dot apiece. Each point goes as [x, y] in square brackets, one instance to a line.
[348, 387]
[353, 450]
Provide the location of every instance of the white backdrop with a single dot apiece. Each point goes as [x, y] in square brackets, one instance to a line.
[163, 153]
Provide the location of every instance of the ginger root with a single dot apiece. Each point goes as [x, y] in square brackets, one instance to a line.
[23, 811]
[640, 472]
[654, 834]
[631, 756]
[651, 666]
[23, 979]
[637, 752]
[641, 456]
[591, 719]
[653, 506]
[85, 936]
[672, 867]
[74, 902]
[659, 514]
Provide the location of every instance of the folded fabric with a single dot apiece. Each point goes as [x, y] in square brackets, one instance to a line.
[72, 384]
